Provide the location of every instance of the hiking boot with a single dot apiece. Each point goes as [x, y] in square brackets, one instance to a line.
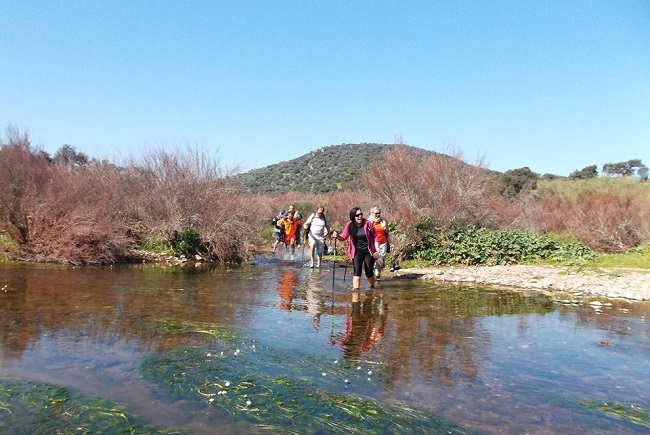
[311, 264]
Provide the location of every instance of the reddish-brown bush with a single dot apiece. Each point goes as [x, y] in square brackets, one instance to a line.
[442, 188]
[186, 189]
[604, 221]
[56, 211]
[98, 212]
[24, 177]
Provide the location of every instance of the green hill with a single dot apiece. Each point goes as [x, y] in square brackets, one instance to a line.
[327, 169]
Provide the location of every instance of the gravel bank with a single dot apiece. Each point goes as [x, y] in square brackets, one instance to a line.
[627, 284]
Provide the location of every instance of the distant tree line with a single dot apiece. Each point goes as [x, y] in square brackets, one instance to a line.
[631, 168]
[515, 181]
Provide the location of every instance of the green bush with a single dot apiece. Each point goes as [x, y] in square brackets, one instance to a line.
[187, 243]
[482, 246]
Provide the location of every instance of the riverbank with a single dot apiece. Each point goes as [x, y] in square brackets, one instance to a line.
[626, 284]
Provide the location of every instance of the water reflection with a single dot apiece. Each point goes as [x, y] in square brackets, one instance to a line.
[364, 325]
[286, 287]
[493, 360]
[314, 297]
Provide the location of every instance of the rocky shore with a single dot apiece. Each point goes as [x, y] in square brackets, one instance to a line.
[626, 284]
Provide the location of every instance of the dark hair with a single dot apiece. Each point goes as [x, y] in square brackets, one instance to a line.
[353, 213]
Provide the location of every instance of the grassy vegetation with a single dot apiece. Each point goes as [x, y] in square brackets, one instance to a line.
[596, 184]
[156, 245]
[6, 245]
[630, 260]
[638, 261]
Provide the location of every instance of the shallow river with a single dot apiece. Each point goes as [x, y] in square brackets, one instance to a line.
[479, 359]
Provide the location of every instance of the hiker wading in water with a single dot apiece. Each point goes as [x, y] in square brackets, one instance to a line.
[361, 234]
[278, 230]
[317, 230]
[290, 225]
[382, 241]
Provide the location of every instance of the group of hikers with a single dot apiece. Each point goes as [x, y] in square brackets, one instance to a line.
[369, 239]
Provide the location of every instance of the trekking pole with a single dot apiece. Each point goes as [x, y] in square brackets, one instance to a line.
[334, 266]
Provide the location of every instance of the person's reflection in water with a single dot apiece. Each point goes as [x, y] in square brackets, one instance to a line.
[286, 286]
[314, 300]
[364, 326]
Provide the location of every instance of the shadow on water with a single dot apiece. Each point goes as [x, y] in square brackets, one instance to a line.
[280, 347]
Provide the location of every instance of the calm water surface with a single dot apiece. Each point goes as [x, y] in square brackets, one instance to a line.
[491, 361]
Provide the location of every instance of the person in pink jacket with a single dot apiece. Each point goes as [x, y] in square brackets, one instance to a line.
[362, 250]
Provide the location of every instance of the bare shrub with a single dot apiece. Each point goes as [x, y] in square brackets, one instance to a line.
[78, 219]
[24, 176]
[340, 203]
[56, 211]
[523, 212]
[440, 188]
[186, 189]
[608, 215]
[97, 212]
[606, 222]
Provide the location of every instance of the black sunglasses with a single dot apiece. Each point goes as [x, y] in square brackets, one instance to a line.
[359, 214]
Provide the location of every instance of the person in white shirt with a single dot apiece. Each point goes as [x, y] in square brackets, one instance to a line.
[317, 230]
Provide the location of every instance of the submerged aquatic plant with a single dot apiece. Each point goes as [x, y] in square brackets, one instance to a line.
[37, 408]
[283, 390]
[223, 333]
[626, 412]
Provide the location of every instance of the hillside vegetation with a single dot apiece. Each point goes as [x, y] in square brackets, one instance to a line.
[333, 168]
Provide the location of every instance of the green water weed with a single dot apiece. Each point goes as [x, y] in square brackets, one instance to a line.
[621, 411]
[38, 408]
[282, 390]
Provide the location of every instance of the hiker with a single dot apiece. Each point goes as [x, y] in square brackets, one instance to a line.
[290, 225]
[361, 248]
[278, 230]
[297, 215]
[382, 241]
[316, 229]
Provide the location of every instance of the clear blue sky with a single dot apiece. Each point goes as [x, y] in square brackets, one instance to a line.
[552, 85]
